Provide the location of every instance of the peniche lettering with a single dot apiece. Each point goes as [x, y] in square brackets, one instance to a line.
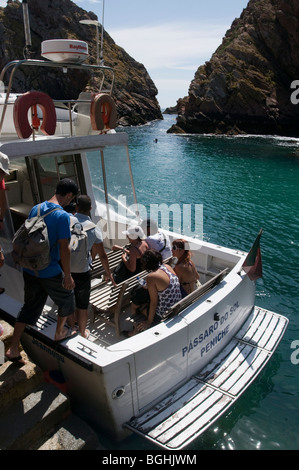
[210, 337]
[202, 336]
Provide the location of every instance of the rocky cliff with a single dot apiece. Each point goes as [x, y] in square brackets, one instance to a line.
[246, 86]
[134, 91]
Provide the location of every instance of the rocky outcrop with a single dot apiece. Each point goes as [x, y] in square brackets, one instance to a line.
[246, 86]
[134, 91]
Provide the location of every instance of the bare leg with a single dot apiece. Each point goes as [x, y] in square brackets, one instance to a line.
[134, 308]
[134, 331]
[82, 317]
[139, 309]
[60, 331]
[14, 351]
[71, 322]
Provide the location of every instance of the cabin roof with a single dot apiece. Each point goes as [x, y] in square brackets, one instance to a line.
[51, 145]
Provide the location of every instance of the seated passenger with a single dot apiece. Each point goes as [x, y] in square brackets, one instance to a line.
[156, 238]
[163, 289]
[131, 257]
[185, 268]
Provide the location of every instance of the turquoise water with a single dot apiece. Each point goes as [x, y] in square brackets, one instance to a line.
[244, 184]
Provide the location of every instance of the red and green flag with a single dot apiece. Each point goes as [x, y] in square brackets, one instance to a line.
[253, 262]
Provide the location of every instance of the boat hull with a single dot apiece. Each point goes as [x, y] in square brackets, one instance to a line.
[109, 386]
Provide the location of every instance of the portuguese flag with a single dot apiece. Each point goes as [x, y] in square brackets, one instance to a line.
[253, 262]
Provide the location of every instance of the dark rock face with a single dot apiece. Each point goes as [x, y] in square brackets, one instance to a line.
[246, 86]
[134, 91]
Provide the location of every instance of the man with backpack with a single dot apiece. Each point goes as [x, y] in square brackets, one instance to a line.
[55, 280]
[86, 242]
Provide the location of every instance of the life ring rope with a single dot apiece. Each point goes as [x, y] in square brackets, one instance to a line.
[32, 99]
[103, 113]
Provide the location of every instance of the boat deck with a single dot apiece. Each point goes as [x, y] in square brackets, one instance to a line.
[183, 416]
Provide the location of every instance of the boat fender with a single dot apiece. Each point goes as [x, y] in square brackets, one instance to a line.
[20, 113]
[103, 114]
[56, 378]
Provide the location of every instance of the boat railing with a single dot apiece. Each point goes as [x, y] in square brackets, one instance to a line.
[13, 66]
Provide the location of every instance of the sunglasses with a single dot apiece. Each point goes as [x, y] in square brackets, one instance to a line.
[175, 247]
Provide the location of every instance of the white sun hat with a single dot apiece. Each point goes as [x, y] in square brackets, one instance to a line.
[134, 232]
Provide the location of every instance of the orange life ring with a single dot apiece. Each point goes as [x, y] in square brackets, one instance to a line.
[20, 114]
[103, 114]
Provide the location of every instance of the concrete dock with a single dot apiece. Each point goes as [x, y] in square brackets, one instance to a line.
[35, 414]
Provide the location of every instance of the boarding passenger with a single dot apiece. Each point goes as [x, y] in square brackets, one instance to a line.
[163, 289]
[55, 280]
[156, 238]
[130, 264]
[185, 268]
[81, 265]
[3, 171]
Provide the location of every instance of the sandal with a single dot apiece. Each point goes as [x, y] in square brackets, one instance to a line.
[16, 360]
[68, 334]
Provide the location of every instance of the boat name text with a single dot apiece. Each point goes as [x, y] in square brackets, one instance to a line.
[195, 342]
[50, 351]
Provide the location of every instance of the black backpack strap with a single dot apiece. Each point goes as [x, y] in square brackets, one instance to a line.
[165, 241]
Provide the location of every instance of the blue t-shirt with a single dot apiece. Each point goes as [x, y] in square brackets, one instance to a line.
[58, 224]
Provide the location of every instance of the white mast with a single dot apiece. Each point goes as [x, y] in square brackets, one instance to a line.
[102, 38]
[26, 27]
[100, 57]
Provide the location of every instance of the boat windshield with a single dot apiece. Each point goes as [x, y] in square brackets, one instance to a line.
[111, 179]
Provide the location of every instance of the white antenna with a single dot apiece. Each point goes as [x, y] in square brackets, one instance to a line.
[102, 38]
[100, 58]
[97, 24]
[26, 27]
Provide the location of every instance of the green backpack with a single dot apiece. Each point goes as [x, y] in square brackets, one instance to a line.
[31, 247]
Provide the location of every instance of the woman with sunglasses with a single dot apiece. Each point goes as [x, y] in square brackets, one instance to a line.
[185, 268]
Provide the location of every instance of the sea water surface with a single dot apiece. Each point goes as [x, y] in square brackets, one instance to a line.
[244, 183]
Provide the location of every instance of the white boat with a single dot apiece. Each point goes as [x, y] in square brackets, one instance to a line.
[172, 381]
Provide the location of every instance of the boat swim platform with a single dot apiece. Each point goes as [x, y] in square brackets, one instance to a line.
[184, 415]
